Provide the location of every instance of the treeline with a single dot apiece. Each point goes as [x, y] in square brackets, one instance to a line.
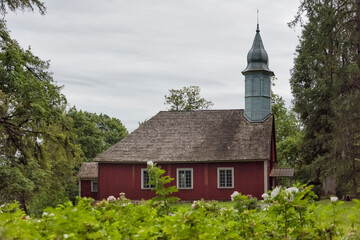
[41, 143]
[325, 83]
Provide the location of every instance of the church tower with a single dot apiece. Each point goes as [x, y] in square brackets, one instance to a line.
[257, 82]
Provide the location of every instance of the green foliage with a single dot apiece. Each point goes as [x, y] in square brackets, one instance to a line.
[244, 202]
[288, 133]
[326, 86]
[286, 214]
[23, 5]
[161, 187]
[186, 99]
[95, 133]
[38, 154]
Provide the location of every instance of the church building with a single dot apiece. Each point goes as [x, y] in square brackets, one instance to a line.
[209, 153]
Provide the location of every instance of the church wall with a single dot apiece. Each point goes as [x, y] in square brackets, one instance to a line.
[85, 186]
[117, 178]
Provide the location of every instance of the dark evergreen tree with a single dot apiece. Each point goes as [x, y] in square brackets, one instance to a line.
[325, 86]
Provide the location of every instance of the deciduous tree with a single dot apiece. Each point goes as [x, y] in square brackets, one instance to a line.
[186, 99]
[38, 155]
[95, 133]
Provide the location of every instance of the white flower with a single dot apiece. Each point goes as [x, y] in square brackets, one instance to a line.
[292, 190]
[45, 213]
[234, 195]
[111, 198]
[265, 196]
[193, 205]
[39, 220]
[51, 214]
[333, 199]
[150, 163]
[275, 192]
[65, 235]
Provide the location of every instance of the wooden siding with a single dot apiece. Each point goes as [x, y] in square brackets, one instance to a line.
[86, 190]
[115, 178]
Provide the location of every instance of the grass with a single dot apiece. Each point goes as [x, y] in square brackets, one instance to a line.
[344, 210]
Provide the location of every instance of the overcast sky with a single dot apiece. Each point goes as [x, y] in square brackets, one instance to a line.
[120, 57]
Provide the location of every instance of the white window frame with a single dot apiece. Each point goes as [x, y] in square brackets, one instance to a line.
[178, 175]
[232, 176]
[92, 186]
[145, 187]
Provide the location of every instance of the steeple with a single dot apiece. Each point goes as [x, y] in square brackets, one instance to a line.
[257, 82]
[257, 57]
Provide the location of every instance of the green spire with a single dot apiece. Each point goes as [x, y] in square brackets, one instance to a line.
[257, 82]
[257, 57]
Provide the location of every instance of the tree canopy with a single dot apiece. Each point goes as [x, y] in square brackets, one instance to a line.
[38, 153]
[186, 99]
[95, 133]
[288, 133]
[325, 83]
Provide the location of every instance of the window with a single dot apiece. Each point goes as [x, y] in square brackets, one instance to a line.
[225, 177]
[94, 186]
[145, 179]
[184, 178]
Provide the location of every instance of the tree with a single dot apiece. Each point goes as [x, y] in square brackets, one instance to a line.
[14, 5]
[95, 133]
[38, 155]
[326, 83]
[186, 99]
[288, 133]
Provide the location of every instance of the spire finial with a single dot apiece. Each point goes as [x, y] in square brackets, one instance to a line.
[257, 16]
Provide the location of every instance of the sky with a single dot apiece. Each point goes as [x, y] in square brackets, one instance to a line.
[120, 57]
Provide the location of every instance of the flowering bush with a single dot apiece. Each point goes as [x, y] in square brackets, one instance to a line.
[244, 202]
[290, 214]
[210, 206]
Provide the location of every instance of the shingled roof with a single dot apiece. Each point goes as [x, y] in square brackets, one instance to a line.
[88, 170]
[194, 136]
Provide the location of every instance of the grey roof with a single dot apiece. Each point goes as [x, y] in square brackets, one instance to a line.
[88, 170]
[257, 57]
[282, 172]
[194, 136]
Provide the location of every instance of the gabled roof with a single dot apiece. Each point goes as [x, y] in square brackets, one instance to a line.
[194, 136]
[88, 170]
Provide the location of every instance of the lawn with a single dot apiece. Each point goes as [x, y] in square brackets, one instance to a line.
[344, 210]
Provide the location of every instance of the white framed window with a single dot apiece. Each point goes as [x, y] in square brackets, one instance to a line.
[145, 179]
[94, 186]
[184, 178]
[225, 177]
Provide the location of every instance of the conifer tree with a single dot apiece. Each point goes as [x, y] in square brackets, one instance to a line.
[325, 85]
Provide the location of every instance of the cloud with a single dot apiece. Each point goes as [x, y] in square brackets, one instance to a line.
[120, 57]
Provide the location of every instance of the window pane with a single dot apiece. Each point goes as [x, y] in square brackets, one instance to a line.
[225, 178]
[184, 179]
[146, 180]
[222, 178]
[94, 187]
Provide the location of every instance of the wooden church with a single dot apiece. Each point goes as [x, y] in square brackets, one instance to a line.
[209, 153]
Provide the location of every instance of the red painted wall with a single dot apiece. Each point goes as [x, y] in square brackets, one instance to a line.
[117, 178]
[86, 190]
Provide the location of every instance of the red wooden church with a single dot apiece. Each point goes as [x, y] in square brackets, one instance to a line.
[209, 153]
